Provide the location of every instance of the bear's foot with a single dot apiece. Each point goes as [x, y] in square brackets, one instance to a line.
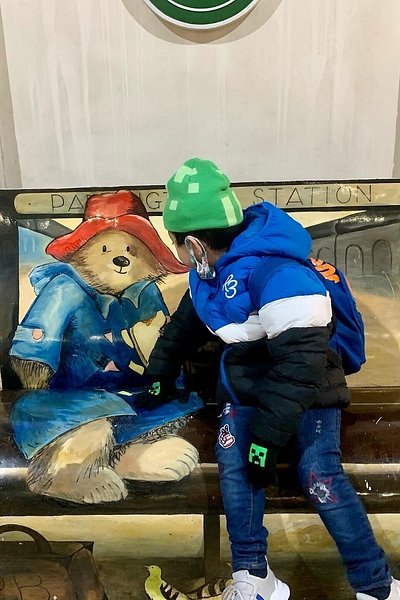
[166, 459]
[91, 487]
[76, 466]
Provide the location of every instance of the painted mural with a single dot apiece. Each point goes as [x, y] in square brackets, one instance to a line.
[95, 285]
[366, 246]
[82, 347]
[88, 280]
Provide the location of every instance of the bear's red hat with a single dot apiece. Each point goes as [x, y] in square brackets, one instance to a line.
[123, 211]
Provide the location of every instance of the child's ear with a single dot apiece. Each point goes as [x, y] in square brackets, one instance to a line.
[197, 247]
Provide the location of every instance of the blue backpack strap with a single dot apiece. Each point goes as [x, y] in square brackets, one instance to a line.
[348, 338]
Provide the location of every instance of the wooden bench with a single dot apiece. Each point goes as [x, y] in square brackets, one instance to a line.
[371, 457]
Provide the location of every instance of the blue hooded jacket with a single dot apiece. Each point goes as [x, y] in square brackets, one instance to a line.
[275, 325]
[227, 299]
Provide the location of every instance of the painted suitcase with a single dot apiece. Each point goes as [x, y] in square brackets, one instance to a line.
[43, 570]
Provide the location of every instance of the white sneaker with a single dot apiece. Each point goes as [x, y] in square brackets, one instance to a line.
[394, 592]
[249, 587]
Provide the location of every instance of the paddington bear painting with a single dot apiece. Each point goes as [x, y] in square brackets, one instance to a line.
[81, 350]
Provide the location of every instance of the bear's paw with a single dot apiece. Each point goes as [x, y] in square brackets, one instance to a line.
[167, 459]
[91, 487]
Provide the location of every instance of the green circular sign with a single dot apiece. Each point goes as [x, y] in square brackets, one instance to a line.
[201, 14]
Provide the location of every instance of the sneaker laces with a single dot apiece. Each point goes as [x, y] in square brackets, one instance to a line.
[233, 593]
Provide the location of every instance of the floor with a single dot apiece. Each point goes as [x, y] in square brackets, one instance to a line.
[313, 576]
[301, 553]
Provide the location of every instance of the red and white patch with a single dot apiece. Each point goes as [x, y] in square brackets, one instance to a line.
[225, 437]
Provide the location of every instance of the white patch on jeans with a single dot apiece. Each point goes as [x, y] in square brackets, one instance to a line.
[225, 437]
[320, 490]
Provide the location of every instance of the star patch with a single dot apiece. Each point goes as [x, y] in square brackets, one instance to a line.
[320, 490]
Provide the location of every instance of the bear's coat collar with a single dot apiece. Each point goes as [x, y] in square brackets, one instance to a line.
[132, 293]
[42, 275]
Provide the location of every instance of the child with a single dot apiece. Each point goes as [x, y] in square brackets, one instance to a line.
[279, 380]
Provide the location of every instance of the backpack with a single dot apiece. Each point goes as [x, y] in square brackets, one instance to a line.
[348, 338]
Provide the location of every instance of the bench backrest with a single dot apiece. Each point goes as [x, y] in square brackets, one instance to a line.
[362, 239]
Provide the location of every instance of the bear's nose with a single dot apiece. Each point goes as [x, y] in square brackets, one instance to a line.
[121, 261]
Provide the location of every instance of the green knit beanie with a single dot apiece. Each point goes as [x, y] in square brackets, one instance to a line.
[199, 197]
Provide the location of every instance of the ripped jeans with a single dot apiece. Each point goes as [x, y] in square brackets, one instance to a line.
[324, 483]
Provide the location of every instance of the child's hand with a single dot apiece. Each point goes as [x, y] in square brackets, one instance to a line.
[161, 392]
[261, 464]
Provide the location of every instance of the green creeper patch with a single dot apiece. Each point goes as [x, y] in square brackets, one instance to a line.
[155, 389]
[258, 455]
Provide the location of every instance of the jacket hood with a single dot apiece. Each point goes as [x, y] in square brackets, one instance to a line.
[269, 231]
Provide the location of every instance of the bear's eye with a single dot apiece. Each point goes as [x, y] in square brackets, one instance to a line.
[128, 248]
[104, 249]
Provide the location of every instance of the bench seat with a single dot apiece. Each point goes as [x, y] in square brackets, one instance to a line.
[371, 457]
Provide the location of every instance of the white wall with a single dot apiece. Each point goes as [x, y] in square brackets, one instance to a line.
[10, 175]
[104, 93]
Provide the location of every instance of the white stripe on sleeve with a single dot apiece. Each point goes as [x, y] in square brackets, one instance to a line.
[298, 311]
[248, 331]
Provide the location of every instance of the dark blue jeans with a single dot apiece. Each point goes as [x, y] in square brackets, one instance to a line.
[324, 483]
